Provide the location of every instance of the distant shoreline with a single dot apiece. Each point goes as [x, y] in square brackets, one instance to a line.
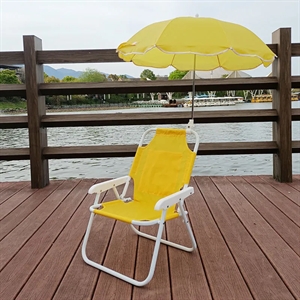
[65, 109]
[86, 108]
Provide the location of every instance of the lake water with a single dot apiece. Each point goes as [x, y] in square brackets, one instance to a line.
[259, 164]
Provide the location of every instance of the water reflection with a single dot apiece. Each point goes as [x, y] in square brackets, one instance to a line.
[112, 167]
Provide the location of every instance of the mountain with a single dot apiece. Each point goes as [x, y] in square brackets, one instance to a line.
[63, 72]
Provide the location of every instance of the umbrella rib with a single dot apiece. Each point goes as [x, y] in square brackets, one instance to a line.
[172, 60]
[253, 55]
[219, 61]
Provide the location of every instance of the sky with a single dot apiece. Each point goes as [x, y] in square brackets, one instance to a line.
[98, 24]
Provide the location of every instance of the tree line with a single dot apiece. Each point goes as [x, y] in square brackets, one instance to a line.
[92, 75]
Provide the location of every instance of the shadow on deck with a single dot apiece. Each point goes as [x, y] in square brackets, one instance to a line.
[247, 230]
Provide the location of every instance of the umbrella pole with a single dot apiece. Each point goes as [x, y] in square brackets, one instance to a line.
[194, 89]
[191, 121]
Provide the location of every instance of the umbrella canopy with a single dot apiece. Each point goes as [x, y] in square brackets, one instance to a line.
[191, 43]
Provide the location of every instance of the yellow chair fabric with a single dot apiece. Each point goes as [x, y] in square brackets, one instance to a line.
[159, 169]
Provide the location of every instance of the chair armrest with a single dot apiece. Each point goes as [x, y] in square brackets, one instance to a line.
[168, 201]
[106, 185]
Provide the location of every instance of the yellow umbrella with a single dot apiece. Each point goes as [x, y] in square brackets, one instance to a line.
[189, 43]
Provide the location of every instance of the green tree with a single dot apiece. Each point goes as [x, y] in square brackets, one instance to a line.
[69, 98]
[147, 74]
[113, 77]
[50, 79]
[92, 75]
[175, 75]
[69, 79]
[9, 77]
[55, 99]
[123, 77]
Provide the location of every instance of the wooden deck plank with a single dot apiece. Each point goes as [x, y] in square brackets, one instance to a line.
[296, 182]
[73, 284]
[18, 237]
[186, 269]
[159, 287]
[283, 188]
[59, 256]
[284, 226]
[243, 239]
[224, 277]
[6, 189]
[24, 210]
[283, 258]
[11, 189]
[120, 256]
[4, 185]
[19, 269]
[16, 200]
[261, 277]
[287, 206]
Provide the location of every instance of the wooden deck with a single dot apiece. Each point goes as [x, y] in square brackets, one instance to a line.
[247, 230]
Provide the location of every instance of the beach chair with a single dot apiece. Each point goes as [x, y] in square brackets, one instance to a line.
[160, 173]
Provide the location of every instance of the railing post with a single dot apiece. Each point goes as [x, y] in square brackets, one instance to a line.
[36, 107]
[282, 134]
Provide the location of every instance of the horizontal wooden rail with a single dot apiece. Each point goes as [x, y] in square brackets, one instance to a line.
[178, 117]
[130, 150]
[175, 117]
[295, 82]
[11, 58]
[7, 90]
[78, 56]
[13, 122]
[224, 148]
[295, 49]
[296, 114]
[125, 87]
[14, 154]
[87, 55]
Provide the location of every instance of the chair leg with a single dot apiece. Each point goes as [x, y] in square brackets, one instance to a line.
[117, 274]
[172, 244]
[188, 225]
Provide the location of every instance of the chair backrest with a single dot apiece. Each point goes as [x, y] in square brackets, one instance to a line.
[163, 166]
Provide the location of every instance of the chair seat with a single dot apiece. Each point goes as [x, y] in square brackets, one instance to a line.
[133, 211]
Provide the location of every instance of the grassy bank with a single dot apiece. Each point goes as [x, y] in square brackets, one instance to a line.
[20, 107]
[14, 106]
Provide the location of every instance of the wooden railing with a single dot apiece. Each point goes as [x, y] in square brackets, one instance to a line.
[37, 121]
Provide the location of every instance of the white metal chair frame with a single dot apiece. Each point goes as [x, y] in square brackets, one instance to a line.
[163, 204]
